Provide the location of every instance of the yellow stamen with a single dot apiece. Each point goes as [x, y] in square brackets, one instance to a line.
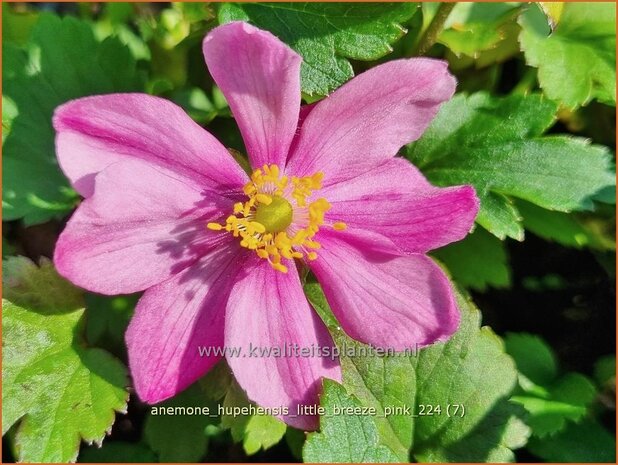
[280, 217]
[263, 198]
[214, 226]
[339, 226]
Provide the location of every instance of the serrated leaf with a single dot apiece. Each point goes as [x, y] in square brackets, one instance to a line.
[62, 61]
[477, 262]
[496, 144]
[566, 400]
[499, 215]
[327, 34]
[470, 370]
[180, 437]
[257, 431]
[38, 287]
[577, 60]
[59, 390]
[585, 442]
[343, 437]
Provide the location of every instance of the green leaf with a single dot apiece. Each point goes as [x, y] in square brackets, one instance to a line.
[551, 400]
[605, 371]
[577, 61]
[472, 28]
[295, 439]
[477, 262]
[59, 390]
[108, 318]
[584, 442]
[344, 437]
[534, 358]
[470, 370]
[496, 144]
[118, 452]
[566, 229]
[316, 296]
[9, 112]
[38, 287]
[326, 35]
[566, 399]
[200, 106]
[499, 215]
[62, 61]
[17, 26]
[216, 383]
[180, 437]
[255, 431]
[473, 371]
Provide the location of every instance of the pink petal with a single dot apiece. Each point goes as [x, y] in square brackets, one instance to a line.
[367, 120]
[267, 309]
[93, 132]
[143, 225]
[174, 319]
[395, 200]
[388, 301]
[260, 78]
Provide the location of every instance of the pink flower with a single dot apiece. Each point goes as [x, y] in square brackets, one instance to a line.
[168, 210]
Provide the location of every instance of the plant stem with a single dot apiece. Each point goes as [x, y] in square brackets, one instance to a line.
[435, 27]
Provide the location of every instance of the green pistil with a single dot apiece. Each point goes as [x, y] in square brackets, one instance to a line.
[276, 216]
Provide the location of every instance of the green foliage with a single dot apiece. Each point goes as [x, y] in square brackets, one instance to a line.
[61, 61]
[551, 400]
[345, 438]
[108, 318]
[254, 431]
[118, 452]
[563, 228]
[585, 442]
[577, 60]
[496, 144]
[470, 373]
[535, 360]
[180, 437]
[200, 106]
[605, 371]
[327, 35]
[59, 390]
[472, 28]
[62, 387]
[478, 261]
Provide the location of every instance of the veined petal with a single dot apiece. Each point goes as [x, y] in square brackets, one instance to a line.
[388, 301]
[396, 201]
[367, 120]
[267, 309]
[260, 78]
[94, 132]
[143, 225]
[178, 325]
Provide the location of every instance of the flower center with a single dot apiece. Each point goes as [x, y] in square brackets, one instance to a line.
[276, 216]
[280, 217]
